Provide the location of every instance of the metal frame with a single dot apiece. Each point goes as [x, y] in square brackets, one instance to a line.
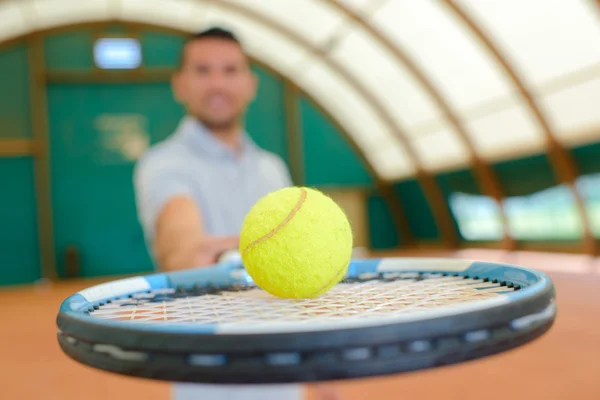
[484, 175]
[39, 128]
[17, 147]
[560, 158]
[293, 129]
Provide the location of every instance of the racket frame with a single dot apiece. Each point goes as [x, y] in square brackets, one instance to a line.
[280, 353]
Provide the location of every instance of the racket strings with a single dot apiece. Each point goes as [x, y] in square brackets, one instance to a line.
[379, 295]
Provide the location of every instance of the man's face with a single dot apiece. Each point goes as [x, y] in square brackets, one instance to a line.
[215, 83]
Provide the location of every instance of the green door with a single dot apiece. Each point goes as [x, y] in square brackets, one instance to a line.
[96, 134]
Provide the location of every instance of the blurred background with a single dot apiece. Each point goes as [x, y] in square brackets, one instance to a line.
[454, 128]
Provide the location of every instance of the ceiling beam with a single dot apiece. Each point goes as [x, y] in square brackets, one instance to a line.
[293, 129]
[485, 177]
[560, 158]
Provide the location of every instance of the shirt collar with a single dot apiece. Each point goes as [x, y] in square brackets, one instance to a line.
[194, 133]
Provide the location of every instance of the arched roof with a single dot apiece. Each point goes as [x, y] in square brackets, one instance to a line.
[421, 86]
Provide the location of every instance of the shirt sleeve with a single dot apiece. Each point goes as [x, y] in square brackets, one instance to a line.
[156, 182]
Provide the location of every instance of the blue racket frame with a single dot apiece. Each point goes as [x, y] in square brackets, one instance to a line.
[230, 355]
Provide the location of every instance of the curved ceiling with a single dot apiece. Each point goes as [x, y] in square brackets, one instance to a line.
[422, 85]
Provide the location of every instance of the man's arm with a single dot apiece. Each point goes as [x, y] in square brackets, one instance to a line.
[171, 219]
[180, 241]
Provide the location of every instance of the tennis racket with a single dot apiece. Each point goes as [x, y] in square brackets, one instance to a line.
[390, 315]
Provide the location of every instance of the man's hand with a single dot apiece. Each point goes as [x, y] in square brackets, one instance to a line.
[180, 240]
[212, 247]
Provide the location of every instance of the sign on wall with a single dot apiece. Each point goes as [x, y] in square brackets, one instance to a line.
[123, 138]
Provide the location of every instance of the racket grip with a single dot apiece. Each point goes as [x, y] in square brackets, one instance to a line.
[230, 257]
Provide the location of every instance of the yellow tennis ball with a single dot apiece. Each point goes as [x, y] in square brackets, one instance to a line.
[296, 243]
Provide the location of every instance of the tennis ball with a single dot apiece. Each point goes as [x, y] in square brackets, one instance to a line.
[296, 242]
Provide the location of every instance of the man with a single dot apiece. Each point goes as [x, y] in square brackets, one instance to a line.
[194, 189]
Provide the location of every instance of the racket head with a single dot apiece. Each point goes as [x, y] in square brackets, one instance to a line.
[387, 316]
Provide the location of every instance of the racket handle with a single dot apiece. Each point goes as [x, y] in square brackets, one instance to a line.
[230, 257]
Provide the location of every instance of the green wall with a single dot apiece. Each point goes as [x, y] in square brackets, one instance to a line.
[526, 175]
[383, 233]
[14, 93]
[328, 158]
[588, 158]
[19, 250]
[160, 50]
[266, 121]
[69, 51]
[418, 213]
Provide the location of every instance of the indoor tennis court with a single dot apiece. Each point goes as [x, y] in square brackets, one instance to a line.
[460, 130]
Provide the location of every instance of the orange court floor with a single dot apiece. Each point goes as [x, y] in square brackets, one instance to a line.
[563, 364]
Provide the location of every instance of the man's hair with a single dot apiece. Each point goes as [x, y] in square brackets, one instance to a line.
[215, 33]
[210, 33]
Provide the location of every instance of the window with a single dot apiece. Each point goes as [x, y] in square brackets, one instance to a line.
[118, 53]
[478, 216]
[550, 214]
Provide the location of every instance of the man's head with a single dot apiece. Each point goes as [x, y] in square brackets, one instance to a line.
[214, 81]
